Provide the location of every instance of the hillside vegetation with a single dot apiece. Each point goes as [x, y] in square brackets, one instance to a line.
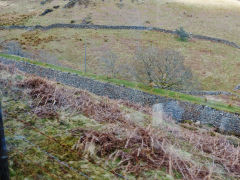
[70, 133]
[54, 131]
[216, 66]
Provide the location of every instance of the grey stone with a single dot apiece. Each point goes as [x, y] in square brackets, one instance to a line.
[46, 12]
[237, 87]
[174, 110]
[230, 125]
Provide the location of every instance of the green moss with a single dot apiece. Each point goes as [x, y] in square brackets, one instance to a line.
[29, 155]
[188, 122]
[188, 127]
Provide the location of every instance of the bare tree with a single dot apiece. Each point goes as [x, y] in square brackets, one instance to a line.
[47, 57]
[164, 68]
[109, 64]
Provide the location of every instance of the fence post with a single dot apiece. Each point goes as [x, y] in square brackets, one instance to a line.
[4, 171]
[85, 69]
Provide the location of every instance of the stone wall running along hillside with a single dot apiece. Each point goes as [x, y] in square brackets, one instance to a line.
[178, 110]
[141, 28]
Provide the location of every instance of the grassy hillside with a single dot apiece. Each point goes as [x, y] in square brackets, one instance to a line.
[55, 131]
[214, 17]
[69, 133]
[215, 65]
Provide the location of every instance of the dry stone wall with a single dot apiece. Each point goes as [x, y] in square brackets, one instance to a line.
[178, 110]
[144, 28]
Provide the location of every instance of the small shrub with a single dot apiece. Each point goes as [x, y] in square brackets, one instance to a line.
[87, 20]
[109, 64]
[147, 22]
[212, 133]
[120, 5]
[182, 34]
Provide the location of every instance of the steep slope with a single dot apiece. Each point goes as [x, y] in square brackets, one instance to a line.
[72, 134]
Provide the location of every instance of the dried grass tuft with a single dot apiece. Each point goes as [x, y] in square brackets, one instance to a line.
[46, 93]
[46, 112]
[9, 68]
[137, 107]
[217, 147]
[140, 151]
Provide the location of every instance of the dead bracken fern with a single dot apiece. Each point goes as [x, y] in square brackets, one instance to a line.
[137, 149]
[46, 93]
[218, 148]
[138, 107]
[46, 112]
[9, 68]
[140, 151]
[41, 90]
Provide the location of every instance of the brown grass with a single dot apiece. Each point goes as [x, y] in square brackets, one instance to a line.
[140, 151]
[157, 150]
[66, 46]
[9, 19]
[218, 147]
[46, 93]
